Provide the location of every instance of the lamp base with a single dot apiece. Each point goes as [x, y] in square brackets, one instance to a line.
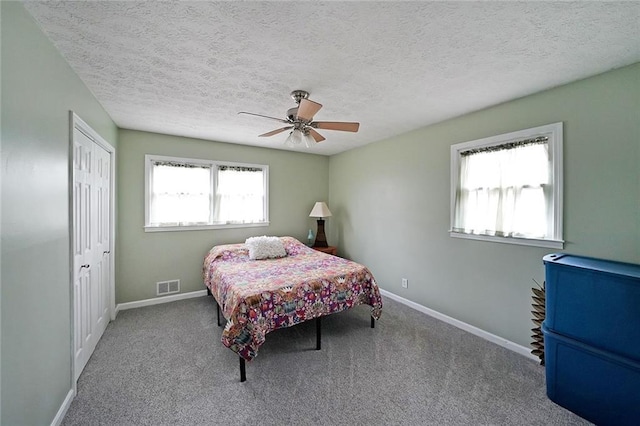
[321, 239]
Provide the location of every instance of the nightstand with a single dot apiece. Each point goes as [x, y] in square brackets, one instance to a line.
[329, 250]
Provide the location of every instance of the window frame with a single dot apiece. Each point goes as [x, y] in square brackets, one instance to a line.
[214, 164]
[555, 142]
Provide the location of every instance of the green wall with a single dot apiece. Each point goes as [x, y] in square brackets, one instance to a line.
[296, 182]
[38, 90]
[391, 202]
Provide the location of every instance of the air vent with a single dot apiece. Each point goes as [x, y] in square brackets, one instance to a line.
[167, 287]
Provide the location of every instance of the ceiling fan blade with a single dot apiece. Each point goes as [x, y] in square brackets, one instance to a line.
[336, 125]
[315, 135]
[265, 116]
[275, 132]
[307, 109]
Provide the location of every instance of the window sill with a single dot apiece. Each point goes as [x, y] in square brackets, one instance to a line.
[203, 227]
[555, 244]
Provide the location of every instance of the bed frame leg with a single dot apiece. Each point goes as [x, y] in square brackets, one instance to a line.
[218, 313]
[373, 322]
[243, 372]
[318, 333]
[208, 291]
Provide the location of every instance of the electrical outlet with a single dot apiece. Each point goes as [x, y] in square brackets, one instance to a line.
[405, 283]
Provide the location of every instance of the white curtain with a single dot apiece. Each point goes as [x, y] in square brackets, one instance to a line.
[505, 192]
[239, 195]
[180, 194]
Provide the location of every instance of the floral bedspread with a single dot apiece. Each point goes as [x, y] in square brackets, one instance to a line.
[259, 296]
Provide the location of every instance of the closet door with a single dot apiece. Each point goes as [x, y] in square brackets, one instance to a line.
[82, 250]
[91, 245]
[102, 252]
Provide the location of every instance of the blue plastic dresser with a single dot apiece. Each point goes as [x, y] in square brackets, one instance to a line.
[592, 338]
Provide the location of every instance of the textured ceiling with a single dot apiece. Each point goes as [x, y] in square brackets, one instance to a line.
[188, 68]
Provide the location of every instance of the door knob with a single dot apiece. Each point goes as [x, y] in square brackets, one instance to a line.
[106, 252]
[85, 266]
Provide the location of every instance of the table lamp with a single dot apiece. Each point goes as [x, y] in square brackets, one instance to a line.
[320, 210]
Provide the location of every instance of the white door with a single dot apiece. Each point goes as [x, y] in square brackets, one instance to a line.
[102, 252]
[91, 245]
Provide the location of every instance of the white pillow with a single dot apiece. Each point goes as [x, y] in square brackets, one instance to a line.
[265, 248]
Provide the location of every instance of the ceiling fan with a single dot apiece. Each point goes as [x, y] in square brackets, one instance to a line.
[300, 121]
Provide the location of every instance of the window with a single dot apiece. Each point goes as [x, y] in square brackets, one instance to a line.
[508, 188]
[183, 193]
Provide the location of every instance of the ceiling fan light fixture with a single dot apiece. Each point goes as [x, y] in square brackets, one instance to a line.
[308, 139]
[294, 138]
[289, 141]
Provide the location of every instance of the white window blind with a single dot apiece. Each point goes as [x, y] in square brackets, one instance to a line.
[240, 195]
[502, 192]
[508, 189]
[180, 194]
[183, 193]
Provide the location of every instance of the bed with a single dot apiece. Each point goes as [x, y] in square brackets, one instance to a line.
[259, 296]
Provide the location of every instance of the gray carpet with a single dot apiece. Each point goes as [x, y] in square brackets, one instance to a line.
[165, 364]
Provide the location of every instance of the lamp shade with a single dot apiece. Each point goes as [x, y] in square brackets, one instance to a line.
[320, 210]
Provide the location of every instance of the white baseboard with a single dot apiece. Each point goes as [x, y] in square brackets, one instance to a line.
[524, 351]
[57, 420]
[158, 300]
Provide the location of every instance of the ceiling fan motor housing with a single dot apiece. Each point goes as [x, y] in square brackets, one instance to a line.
[292, 113]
